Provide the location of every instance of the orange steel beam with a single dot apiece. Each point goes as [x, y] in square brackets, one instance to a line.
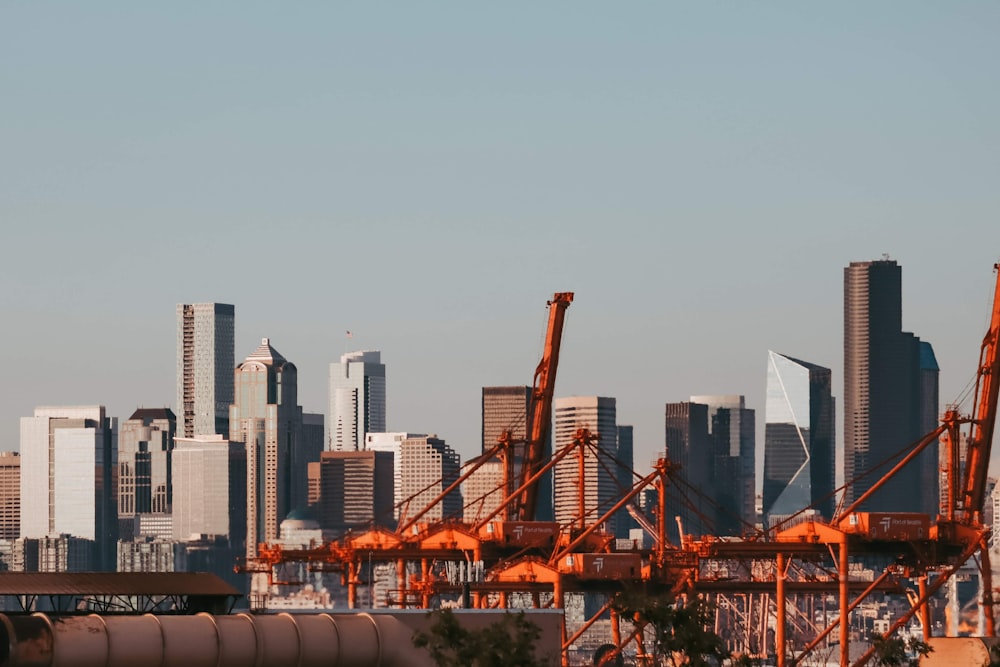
[586, 626]
[559, 456]
[931, 590]
[985, 411]
[483, 460]
[639, 486]
[920, 446]
[543, 389]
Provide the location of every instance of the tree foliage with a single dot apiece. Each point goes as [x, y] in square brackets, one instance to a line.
[507, 643]
[680, 632]
[895, 652]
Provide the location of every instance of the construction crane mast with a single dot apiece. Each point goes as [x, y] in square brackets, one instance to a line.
[540, 414]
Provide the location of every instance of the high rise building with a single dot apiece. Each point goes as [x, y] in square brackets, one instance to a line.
[799, 439]
[210, 481]
[928, 414]
[731, 427]
[266, 417]
[883, 390]
[357, 399]
[392, 442]
[689, 445]
[483, 489]
[145, 447]
[508, 409]
[307, 450]
[10, 495]
[355, 490]
[626, 480]
[68, 461]
[599, 487]
[205, 361]
[429, 466]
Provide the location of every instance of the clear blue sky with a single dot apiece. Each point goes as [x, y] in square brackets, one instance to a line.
[427, 174]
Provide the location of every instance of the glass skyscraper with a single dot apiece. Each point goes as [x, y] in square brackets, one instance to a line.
[205, 361]
[799, 465]
[357, 400]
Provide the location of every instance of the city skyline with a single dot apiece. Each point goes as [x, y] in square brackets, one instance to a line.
[698, 178]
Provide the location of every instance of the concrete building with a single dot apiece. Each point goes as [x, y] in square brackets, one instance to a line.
[885, 397]
[428, 465]
[145, 447]
[68, 485]
[10, 495]
[689, 444]
[483, 490]
[600, 484]
[266, 417]
[146, 555]
[210, 490]
[731, 427]
[205, 361]
[356, 490]
[357, 399]
[392, 442]
[799, 439]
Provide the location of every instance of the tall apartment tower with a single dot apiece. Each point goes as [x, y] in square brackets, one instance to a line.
[10, 495]
[145, 448]
[600, 484]
[799, 439]
[205, 361]
[689, 444]
[731, 426]
[429, 465]
[357, 399]
[266, 417]
[508, 408]
[68, 461]
[883, 390]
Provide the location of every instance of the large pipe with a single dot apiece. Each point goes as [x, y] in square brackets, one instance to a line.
[203, 640]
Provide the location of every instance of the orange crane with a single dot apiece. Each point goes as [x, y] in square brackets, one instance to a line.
[540, 418]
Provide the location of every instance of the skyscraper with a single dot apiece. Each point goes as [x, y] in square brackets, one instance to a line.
[799, 443]
[429, 466]
[392, 442]
[266, 417]
[205, 361]
[355, 489]
[145, 446]
[68, 459]
[10, 495]
[731, 427]
[626, 480]
[600, 484]
[210, 481]
[883, 406]
[689, 445]
[357, 399]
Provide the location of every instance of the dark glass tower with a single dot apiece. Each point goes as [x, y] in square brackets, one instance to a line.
[799, 455]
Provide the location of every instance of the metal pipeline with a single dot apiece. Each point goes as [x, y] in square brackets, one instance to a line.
[204, 640]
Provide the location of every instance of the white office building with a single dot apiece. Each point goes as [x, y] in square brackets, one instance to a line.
[357, 400]
[209, 489]
[68, 458]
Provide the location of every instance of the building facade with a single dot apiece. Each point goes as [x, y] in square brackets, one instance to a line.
[267, 419]
[579, 501]
[356, 490]
[210, 481]
[428, 466]
[883, 389]
[357, 399]
[483, 489]
[392, 442]
[732, 429]
[799, 439]
[689, 445]
[145, 448]
[205, 361]
[68, 465]
[10, 495]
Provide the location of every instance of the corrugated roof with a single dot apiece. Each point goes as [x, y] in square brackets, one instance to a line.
[114, 583]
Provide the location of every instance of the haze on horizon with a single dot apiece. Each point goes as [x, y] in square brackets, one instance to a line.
[427, 176]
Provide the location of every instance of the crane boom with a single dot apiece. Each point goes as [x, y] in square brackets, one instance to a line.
[540, 420]
[984, 413]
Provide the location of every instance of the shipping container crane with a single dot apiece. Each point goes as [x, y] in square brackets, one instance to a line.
[540, 417]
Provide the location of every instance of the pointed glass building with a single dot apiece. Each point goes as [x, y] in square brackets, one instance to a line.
[799, 455]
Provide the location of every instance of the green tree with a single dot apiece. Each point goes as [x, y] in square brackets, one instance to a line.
[895, 652]
[507, 643]
[680, 632]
